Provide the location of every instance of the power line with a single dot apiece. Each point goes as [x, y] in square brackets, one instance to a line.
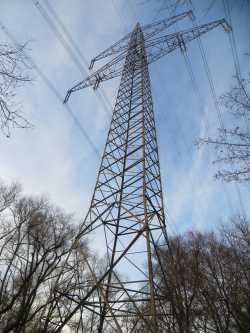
[71, 50]
[232, 39]
[99, 92]
[211, 82]
[219, 117]
[208, 71]
[184, 141]
[195, 88]
[191, 73]
[213, 93]
[235, 55]
[212, 88]
[120, 17]
[133, 11]
[196, 91]
[179, 157]
[171, 221]
[51, 86]
[60, 36]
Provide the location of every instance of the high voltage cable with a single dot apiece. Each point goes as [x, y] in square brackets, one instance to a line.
[232, 39]
[67, 45]
[197, 93]
[59, 36]
[213, 93]
[126, 31]
[171, 221]
[67, 34]
[51, 86]
[190, 71]
[120, 17]
[211, 82]
[208, 72]
[221, 123]
[195, 88]
[233, 46]
[212, 90]
[100, 92]
[236, 61]
[235, 55]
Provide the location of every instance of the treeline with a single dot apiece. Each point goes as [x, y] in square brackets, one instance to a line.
[205, 285]
[206, 282]
[41, 265]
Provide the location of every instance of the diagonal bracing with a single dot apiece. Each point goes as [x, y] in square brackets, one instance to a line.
[127, 204]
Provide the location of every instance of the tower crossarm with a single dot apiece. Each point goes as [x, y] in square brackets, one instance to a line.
[149, 31]
[117, 47]
[158, 47]
[109, 71]
[157, 27]
[155, 48]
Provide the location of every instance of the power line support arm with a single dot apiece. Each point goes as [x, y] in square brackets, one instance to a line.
[155, 47]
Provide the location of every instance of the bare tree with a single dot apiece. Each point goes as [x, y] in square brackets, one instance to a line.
[233, 144]
[182, 282]
[14, 72]
[207, 288]
[39, 270]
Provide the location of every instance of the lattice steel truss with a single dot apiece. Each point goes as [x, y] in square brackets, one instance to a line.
[127, 202]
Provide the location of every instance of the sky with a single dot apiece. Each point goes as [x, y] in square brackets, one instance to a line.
[56, 159]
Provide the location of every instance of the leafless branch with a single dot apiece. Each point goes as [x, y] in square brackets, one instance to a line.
[14, 72]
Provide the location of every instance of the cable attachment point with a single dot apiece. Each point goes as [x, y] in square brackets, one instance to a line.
[181, 42]
[226, 26]
[92, 64]
[97, 81]
[191, 15]
[67, 97]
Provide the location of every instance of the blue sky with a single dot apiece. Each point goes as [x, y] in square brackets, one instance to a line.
[55, 159]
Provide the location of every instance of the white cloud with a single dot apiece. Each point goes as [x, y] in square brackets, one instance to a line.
[54, 158]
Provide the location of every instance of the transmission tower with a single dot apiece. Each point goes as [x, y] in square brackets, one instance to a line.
[128, 202]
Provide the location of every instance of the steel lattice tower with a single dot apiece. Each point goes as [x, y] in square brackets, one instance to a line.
[129, 183]
[127, 202]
